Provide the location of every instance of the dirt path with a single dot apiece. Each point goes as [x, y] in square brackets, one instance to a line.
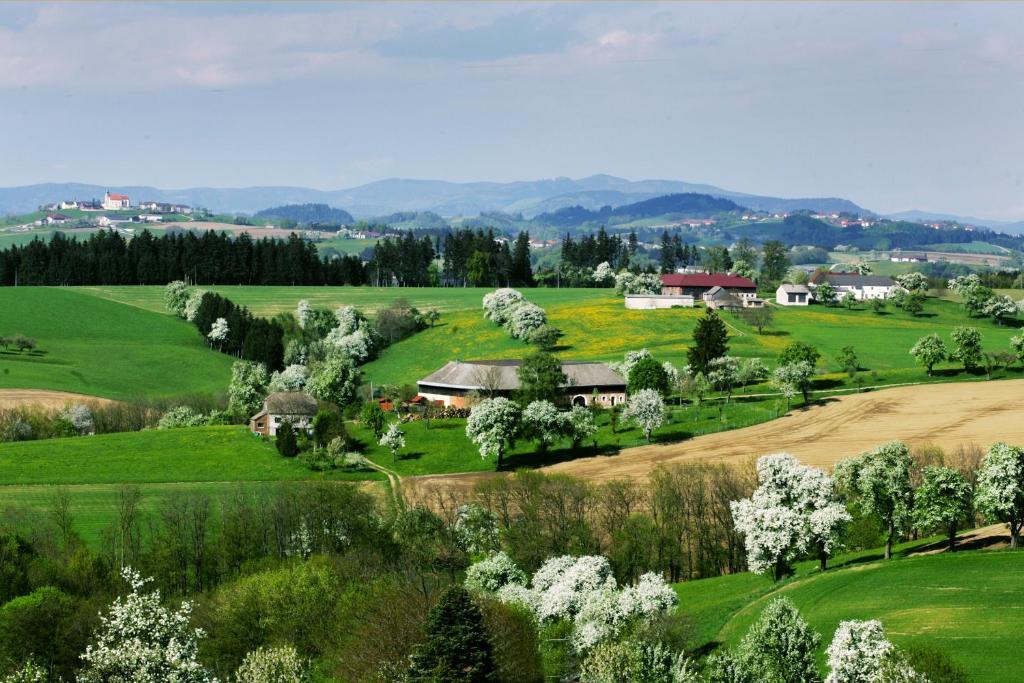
[12, 398]
[947, 415]
[994, 537]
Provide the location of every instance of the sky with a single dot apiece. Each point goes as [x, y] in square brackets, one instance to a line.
[895, 106]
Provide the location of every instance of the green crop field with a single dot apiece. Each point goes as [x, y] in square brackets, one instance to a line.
[91, 346]
[92, 469]
[346, 245]
[966, 604]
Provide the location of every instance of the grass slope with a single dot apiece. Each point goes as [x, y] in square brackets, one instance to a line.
[597, 327]
[210, 460]
[92, 346]
[966, 604]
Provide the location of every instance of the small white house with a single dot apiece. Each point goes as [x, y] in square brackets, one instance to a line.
[654, 301]
[793, 295]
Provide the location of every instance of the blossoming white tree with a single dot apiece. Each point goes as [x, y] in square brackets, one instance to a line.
[524, 319]
[273, 665]
[79, 416]
[219, 332]
[943, 500]
[543, 423]
[880, 481]
[581, 590]
[857, 652]
[292, 378]
[793, 510]
[603, 274]
[349, 320]
[780, 645]
[928, 351]
[792, 378]
[175, 297]
[248, 387]
[191, 308]
[913, 282]
[394, 440]
[1000, 488]
[499, 303]
[492, 426]
[493, 573]
[356, 345]
[140, 640]
[476, 529]
[579, 425]
[302, 312]
[646, 409]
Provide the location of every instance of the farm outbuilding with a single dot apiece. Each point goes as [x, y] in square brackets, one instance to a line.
[653, 301]
[459, 382]
[793, 295]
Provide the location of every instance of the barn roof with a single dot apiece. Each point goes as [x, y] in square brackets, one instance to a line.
[707, 280]
[501, 375]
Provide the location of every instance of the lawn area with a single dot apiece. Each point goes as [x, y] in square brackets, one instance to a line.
[444, 447]
[345, 245]
[92, 346]
[92, 469]
[966, 604]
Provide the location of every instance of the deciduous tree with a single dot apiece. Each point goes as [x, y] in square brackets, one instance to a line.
[943, 500]
[1000, 488]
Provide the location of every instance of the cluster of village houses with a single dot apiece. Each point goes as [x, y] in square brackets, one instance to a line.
[730, 292]
[150, 212]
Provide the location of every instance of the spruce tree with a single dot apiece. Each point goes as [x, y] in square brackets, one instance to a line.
[287, 444]
[709, 342]
[456, 648]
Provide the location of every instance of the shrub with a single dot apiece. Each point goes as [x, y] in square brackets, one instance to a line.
[182, 416]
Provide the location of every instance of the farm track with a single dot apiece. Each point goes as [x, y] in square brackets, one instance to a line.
[14, 398]
[946, 415]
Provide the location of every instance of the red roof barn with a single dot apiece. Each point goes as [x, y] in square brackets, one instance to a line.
[696, 284]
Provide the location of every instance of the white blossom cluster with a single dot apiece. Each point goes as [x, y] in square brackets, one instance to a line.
[182, 416]
[603, 274]
[793, 510]
[492, 423]
[636, 283]
[913, 282]
[393, 439]
[578, 589]
[349, 320]
[476, 529]
[191, 308]
[292, 378]
[499, 304]
[632, 358]
[357, 345]
[1000, 488]
[543, 421]
[140, 640]
[219, 331]
[175, 296]
[857, 652]
[519, 317]
[302, 312]
[304, 541]
[493, 572]
[272, 665]
[646, 409]
[80, 417]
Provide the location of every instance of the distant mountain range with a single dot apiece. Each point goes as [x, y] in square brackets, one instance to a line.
[688, 203]
[529, 198]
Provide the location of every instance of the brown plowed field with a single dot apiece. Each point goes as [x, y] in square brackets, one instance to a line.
[12, 398]
[947, 415]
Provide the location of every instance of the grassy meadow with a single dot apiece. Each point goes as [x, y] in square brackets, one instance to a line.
[596, 326]
[965, 603]
[161, 463]
[92, 346]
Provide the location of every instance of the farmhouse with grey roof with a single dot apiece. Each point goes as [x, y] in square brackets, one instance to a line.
[295, 407]
[459, 381]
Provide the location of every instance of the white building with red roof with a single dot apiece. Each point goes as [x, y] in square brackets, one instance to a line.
[114, 202]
